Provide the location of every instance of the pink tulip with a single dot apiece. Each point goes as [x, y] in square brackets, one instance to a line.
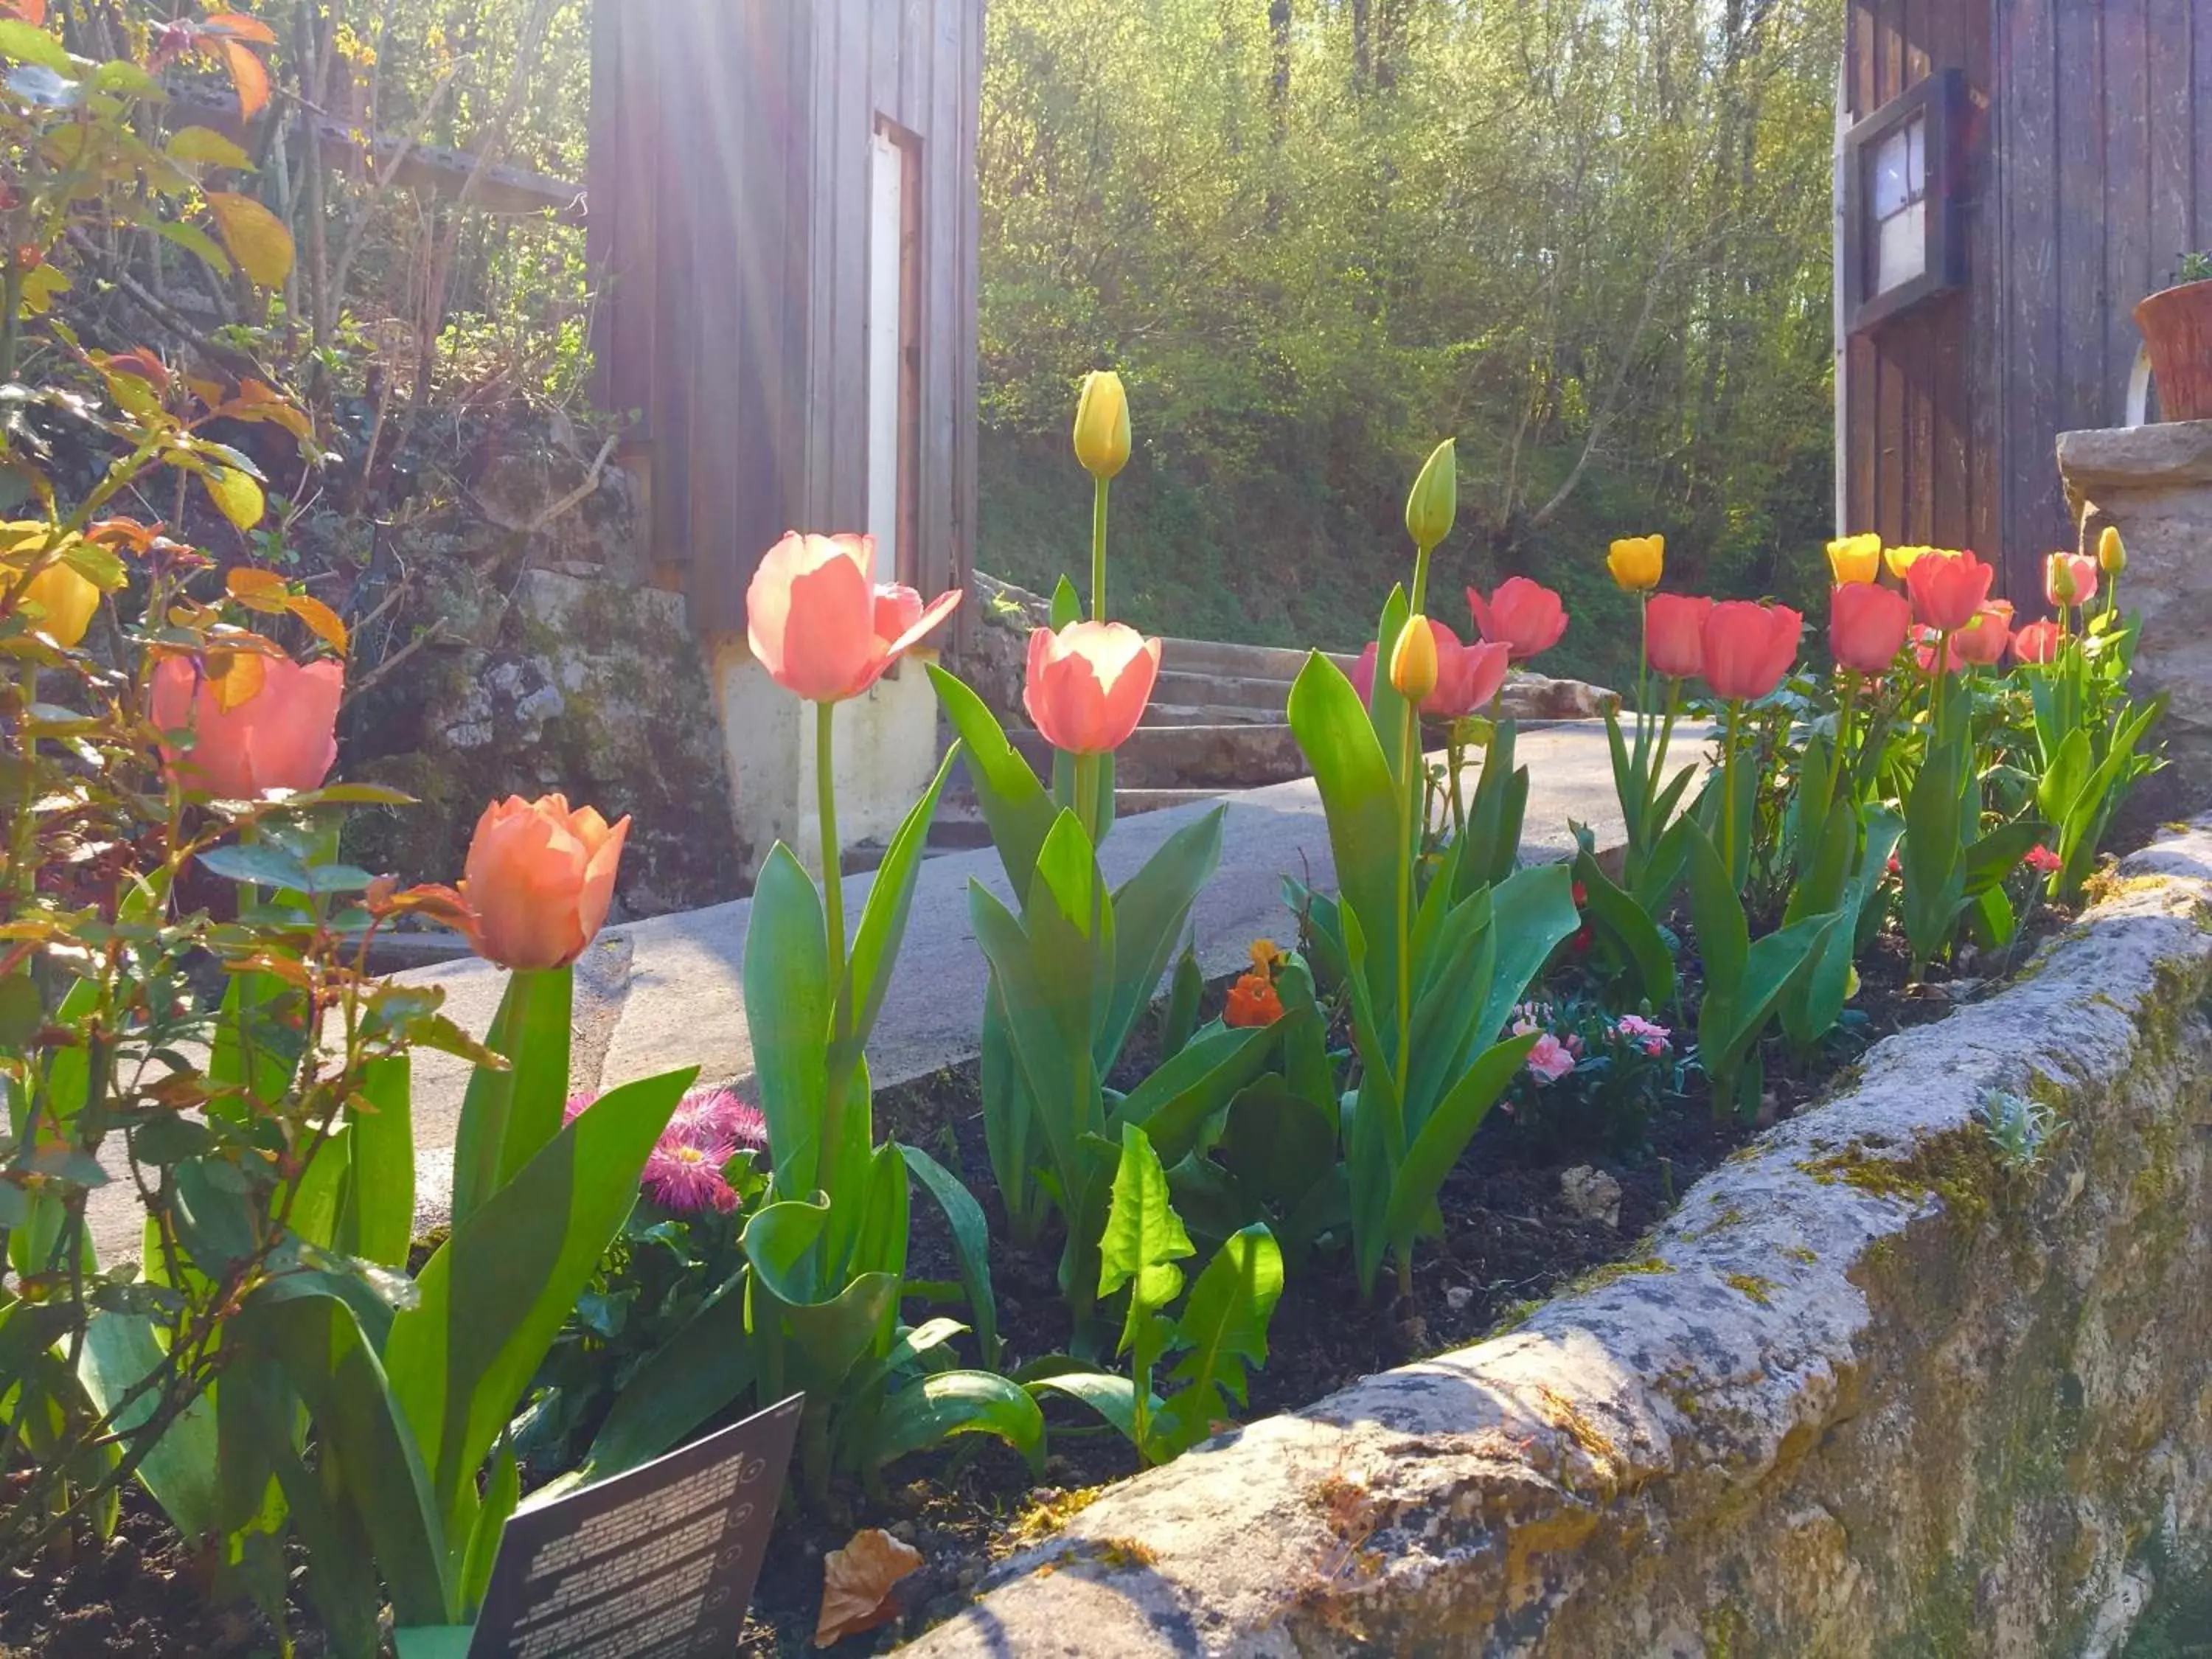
[1088, 684]
[540, 879]
[2036, 642]
[1363, 674]
[1523, 615]
[1867, 626]
[1749, 648]
[821, 627]
[1467, 676]
[1925, 652]
[2069, 579]
[281, 736]
[1947, 588]
[1674, 634]
[1982, 641]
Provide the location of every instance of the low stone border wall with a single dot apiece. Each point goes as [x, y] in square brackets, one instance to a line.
[1876, 1388]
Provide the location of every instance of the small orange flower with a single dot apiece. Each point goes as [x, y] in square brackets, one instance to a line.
[1253, 1001]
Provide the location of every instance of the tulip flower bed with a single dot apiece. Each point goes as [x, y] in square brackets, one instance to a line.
[1135, 1219]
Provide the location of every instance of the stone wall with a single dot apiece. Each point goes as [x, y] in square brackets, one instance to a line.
[1876, 1388]
[2154, 483]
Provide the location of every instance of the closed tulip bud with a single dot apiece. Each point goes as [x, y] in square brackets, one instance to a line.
[1102, 424]
[67, 599]
[1854, 559]
[1413, 661]
[2069, 579]
[2111, 557]
[1434, 502]
[1637, 562]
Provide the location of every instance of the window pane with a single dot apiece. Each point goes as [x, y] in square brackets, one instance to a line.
[1901, 247]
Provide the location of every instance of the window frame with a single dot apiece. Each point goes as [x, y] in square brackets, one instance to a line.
[1938, 100]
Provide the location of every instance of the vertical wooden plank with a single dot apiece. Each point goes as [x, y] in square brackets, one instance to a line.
[824, 42]
[2127, 252]
[967, 295]
[1974, 415]
[1889, 442]
[849, 145]
[1859, 59]
[2030, 183]
[796, 420]
[941, 323]
[2083, 228]
[1920, 347]
[1890, 40]
[1919, 24]
[2172, 122]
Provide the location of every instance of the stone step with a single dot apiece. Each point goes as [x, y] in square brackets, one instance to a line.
[1128, 803]
[1227, 660]
[1243, 756]
[1182, 690]
[1214, 713]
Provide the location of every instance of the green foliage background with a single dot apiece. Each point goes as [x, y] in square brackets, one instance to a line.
[1590, 240]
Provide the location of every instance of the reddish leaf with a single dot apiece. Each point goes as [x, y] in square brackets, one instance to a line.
[31, 11]
[247, 75]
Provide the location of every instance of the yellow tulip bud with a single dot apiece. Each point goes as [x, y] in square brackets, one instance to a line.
[1637, 562]
[2112, 558]
[1102, 424]
[1902, 559]
[67, 599]
[1413, 660]
[1434, 502]
[1854, 559]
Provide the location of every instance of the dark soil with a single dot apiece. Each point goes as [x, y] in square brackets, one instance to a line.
[1509, 1239]
[140, 1596]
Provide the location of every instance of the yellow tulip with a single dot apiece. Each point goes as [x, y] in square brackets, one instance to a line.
[1434, 502]
[1102, 424]
[2112, 558]
[1637, 562]
[1854, 559]
[1413, 661]
[67, 599]
[1902, 559]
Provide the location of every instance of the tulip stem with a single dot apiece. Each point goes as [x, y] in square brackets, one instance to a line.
[1727, 790]
[1420, 594]
[1098, 550]
[1409, 845]
[833, 880]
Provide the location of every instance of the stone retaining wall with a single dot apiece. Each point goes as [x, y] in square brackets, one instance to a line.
[1875, 1389]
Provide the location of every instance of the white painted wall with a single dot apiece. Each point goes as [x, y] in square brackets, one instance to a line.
[884, 748]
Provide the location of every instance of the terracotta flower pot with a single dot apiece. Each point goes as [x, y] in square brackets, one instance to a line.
[2176, 330]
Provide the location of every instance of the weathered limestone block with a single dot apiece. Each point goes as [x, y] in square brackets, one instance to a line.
[2154, 482]
[1876, 1389]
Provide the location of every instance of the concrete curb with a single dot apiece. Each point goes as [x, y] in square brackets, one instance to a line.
[1874, 1389]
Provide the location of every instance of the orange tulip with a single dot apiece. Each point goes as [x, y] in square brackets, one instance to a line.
[2036, 642]
[1088, 684]
[1749, 648]
[821, 627]
[1947, 588]
[1982, 641]
[1867, 626]
[2069, 579]
[1524, 616]
[540, 878]
[1467, 676]
[1675, 635]
[282, 734]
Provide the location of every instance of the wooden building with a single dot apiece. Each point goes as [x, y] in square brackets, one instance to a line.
[782, 213]
[2013, 176]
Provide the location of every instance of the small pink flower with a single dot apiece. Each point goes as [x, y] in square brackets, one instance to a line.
[1654, 1036]
[1549, 1060]
[707, 1116]
[574, 1108]
[685, 1179]
[2041, 860]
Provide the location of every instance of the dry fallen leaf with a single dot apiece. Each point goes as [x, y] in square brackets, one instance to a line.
[856, 1583]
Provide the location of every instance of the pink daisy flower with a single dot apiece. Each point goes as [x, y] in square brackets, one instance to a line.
[710, 1115]
[685, 1179]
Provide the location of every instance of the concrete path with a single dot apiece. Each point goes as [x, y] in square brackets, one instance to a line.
[664, 993]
